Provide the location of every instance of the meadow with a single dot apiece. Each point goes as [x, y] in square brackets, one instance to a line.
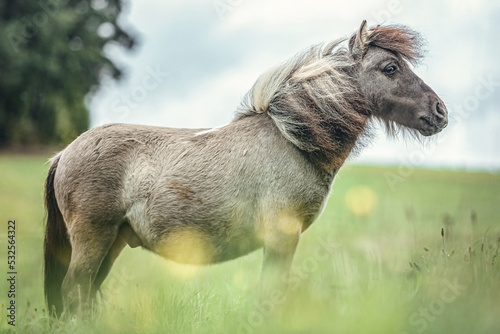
[395, 251]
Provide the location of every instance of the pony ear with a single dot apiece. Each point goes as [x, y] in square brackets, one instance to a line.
[360, 41]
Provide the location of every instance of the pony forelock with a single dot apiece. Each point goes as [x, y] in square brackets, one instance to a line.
[400, 39]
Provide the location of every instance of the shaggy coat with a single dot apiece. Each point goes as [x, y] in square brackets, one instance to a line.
[203, 196]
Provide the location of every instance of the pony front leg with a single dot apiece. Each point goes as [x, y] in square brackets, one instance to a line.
[280, 243]
[275, 271]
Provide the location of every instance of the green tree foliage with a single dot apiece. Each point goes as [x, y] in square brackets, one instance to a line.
[51, 57]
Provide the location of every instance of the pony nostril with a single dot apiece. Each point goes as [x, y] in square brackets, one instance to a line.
[440, 110]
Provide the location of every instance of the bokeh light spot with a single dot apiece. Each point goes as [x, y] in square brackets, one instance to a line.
[361, 200]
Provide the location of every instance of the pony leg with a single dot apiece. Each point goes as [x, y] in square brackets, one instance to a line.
[125, 236]
[90, 245]
[275, 270]
[106, 265]
[279, 248]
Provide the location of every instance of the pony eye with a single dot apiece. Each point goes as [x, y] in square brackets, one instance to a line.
[389, 70]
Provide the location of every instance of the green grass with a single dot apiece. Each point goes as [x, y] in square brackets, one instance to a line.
[374, 262]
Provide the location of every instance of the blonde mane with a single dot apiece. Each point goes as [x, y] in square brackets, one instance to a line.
[308, 96]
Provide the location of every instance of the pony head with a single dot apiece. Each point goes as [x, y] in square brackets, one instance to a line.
[383, 55]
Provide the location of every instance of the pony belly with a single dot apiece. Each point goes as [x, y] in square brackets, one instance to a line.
[186, 246]
[202, 242]
[191, 246]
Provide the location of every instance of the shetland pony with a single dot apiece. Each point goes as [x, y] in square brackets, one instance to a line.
[202, 196]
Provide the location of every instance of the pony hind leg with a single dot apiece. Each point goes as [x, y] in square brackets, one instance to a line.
[125, 236]
[106, 265]
[90, 245]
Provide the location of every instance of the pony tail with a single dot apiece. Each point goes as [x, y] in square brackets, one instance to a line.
[57, 247]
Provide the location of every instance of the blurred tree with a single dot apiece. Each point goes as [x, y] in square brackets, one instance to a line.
[51, 57]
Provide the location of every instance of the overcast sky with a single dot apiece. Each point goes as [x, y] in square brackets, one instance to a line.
[196, 59]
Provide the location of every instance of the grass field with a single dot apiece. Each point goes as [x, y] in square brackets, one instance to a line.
[374, 262]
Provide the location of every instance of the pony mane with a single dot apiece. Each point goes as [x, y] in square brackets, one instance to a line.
[315, 100]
